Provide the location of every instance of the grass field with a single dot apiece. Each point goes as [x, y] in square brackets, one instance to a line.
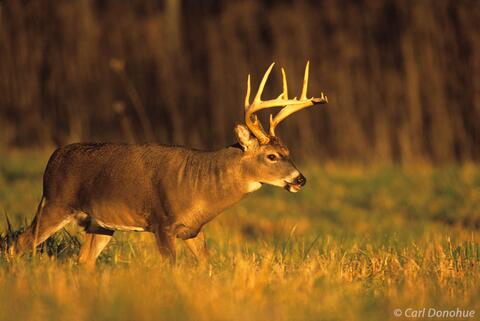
[355, 244]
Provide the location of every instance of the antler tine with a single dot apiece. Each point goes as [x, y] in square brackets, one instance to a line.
[305, 82]
[285, 86]
[247, 96]
[258, 96]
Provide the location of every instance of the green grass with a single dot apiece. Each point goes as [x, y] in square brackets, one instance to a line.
[355, 244]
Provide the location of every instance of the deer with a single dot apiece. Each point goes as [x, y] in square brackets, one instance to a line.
[170, 191]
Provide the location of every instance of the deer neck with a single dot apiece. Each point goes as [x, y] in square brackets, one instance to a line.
[227, 175]
[218, 178]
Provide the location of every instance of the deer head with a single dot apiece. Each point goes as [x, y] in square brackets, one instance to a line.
[266, 159]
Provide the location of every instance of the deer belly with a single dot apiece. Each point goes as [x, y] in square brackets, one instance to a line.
[117, 217]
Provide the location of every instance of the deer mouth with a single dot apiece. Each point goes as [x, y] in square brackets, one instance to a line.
[292, 187]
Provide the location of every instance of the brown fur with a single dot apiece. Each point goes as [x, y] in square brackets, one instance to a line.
[170, 191]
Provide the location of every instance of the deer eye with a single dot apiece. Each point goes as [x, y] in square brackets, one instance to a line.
[272, 157]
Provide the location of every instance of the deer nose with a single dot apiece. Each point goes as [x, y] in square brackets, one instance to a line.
[300, 180]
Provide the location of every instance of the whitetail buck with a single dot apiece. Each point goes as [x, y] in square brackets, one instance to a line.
[170, 191]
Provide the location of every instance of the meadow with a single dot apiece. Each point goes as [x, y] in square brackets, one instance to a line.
[357, 243]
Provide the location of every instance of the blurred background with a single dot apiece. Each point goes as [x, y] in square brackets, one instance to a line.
[402, 77]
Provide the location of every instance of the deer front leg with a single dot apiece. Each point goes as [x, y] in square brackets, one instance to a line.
[198, 247]
[166, 244]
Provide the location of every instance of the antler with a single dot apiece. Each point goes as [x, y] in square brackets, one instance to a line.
[291, 105]
[294, 105]
[251, 120]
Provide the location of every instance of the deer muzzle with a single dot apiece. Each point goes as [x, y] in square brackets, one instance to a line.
[296, 184]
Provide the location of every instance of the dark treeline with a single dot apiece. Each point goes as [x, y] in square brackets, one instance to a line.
[402, 77]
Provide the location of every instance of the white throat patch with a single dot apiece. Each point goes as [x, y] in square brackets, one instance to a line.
[253, 186]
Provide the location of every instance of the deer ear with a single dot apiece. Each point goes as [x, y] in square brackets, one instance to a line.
[245, 137]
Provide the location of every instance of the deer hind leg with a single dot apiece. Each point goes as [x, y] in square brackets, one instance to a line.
[198, 247]
[93, 246]
[49, 219]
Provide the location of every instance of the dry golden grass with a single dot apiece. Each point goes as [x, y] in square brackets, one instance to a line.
[354, 245]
